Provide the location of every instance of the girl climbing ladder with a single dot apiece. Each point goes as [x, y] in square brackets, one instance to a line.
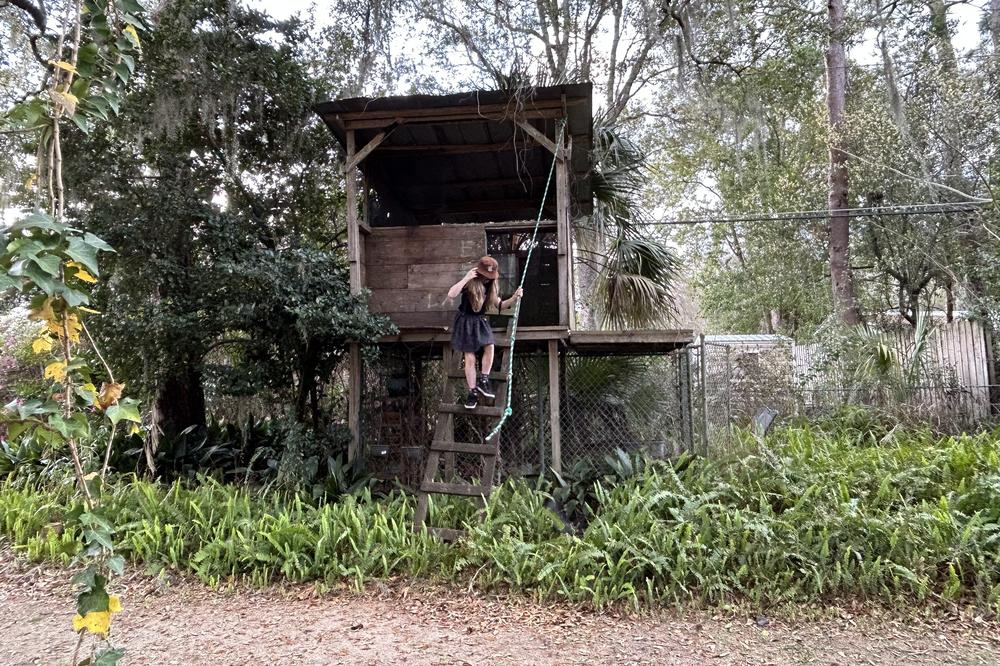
[471, 331]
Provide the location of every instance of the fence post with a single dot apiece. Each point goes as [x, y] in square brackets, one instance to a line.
[702, 374]
[684, 398]
[554, 406]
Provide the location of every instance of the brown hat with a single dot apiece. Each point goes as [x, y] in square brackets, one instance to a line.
[488, 268]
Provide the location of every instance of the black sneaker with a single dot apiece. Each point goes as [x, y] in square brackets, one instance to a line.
[472, 401]
[484, 388]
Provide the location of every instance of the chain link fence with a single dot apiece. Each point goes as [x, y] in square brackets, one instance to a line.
[946, 381]
[607, 402]
[628, 402]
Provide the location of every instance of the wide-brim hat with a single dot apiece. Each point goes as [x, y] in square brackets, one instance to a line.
[488, 268]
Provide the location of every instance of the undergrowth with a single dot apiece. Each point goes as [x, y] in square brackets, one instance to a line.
[812, 514]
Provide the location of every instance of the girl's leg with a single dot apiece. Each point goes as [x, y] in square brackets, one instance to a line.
[487, 359]
[470, 370]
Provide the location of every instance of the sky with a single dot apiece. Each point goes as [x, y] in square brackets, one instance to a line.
[966, 15]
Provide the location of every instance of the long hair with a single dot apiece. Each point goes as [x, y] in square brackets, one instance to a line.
[477, 294]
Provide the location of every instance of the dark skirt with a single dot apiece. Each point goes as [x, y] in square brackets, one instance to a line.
[471, 332]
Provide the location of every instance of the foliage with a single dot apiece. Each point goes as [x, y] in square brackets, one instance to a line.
[814, 514]
[220, 188]
[20, 367]
[576, 491]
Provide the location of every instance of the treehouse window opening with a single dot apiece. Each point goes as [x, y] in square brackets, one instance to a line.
[541, 284]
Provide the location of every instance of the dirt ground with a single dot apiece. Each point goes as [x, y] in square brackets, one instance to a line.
[182, 622]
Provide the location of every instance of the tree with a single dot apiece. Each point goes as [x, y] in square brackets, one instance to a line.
[840, 224]
[225, 186]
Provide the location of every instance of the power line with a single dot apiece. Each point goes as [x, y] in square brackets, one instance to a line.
[823, 213]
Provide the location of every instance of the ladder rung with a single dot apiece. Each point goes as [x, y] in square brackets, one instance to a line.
[463, 447]
[446, 533]
[495, 376]
[449, 408]
[455, 489]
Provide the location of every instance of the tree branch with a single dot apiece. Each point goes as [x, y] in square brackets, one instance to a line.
[36, 12]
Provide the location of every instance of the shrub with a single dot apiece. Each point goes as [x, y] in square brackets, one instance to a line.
[811, 515]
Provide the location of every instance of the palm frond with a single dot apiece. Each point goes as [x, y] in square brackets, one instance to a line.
[635, 289]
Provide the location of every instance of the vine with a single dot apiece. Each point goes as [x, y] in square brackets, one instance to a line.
[51, 264]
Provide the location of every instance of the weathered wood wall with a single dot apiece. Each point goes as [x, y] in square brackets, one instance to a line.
[409, 270]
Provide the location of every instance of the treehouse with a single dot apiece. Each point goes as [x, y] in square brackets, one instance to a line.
[432, 184]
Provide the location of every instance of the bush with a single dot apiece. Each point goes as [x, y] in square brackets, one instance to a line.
[810, 516]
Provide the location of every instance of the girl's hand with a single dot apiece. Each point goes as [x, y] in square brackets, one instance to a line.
[518, 293]
[471, 275]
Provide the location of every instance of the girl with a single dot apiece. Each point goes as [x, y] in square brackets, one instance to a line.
[471, 330]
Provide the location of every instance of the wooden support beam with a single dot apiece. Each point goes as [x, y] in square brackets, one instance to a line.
[382, 123]
[453, 148]
[354, 400]
[564, 238]
[354, 161]
[469, 111]
[539, 138]
[554, 406]
[531, 181]
[353, 237]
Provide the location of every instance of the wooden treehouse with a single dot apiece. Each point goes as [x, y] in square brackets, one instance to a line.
[433, 183]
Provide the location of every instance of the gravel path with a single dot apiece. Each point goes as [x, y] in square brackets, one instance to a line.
[182, 622]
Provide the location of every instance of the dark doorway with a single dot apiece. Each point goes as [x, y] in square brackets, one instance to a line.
[540, 306]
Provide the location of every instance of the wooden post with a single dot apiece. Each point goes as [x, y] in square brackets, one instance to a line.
[702, 375]
[684, 398]
[354, 401]
[554, 406]
[563, 232]
[353, 236]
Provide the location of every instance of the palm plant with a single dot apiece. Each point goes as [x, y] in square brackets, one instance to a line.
[627, 274]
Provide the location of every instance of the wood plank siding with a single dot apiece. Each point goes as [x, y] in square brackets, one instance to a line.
[410, 269]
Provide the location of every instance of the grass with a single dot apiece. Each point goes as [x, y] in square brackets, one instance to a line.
[817, 513]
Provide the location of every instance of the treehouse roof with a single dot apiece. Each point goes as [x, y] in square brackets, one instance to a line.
[462, 158]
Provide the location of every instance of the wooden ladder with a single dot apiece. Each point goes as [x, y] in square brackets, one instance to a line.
[444, 444]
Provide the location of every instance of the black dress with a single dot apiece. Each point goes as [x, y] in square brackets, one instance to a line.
[471, 330]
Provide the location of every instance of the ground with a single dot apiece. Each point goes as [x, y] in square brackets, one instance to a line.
[176, 621]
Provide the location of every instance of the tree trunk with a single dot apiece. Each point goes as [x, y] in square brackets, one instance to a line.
[995, 30]
[180, 400]
[844, 300]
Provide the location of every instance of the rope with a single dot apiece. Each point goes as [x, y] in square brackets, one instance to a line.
[524, 274]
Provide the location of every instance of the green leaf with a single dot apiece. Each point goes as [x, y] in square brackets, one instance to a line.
[95, 242]
[93, 110]
[38, 221]
[81, 121]
[42, 280]
[84, 252]
[86, 578]
[92, 519]
[129, 62]
[48, 263]
[99, 537]
[121, 71]
[131, 6]
[8, 282]
[127, 410]
[108, 657]
[93, 599]
[117, 564]
[113, 101]
[73, 297]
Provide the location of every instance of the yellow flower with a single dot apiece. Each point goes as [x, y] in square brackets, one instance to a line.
[56, 371]
[95, 622]
[114, 604]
